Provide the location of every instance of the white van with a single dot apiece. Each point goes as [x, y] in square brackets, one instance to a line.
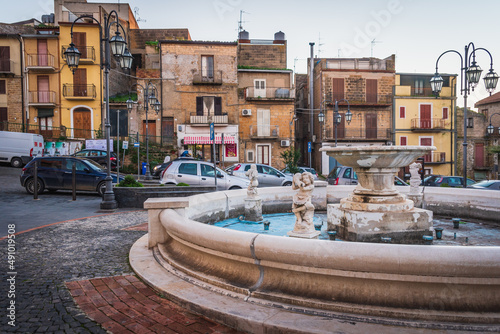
[19, 148]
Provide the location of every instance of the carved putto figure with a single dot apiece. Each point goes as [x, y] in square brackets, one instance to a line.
[252, 175]
[414, 178]
[302, 206]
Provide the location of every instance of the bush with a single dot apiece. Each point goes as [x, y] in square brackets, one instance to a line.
[182, 184]
[129, 181]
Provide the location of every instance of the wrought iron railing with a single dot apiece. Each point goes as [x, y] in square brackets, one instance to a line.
[428, 123]
[79, 91]
[207, 119]
[87, 52]
[352, 133]
[42, 97]
[269, 93]
[359, 98]
[264, 131]
[210, 78]
[40, 60]
[435, 157]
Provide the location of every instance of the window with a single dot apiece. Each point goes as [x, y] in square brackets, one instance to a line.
[250, 156]
[470, 122]
[51, 163]
[2, 87]
[337, 89]
[207, 170]
[419, 86]
[207, 67]
[403, 141]
[445, 113]
[402, 112]
[208, 105]
[263, 122]
[268, 171]
[188, 168]
[262, 155]
[371, 90]
[259, 86]
[4, 59]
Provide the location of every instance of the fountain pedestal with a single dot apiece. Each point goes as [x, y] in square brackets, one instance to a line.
[376, 209]
[253, 209]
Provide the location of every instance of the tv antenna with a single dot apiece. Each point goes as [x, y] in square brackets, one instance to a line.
[240, 22]
[319, 45]
[136, 14]
[372, 45]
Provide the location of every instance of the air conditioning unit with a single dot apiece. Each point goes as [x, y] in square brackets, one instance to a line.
[180, 128]
[246, 112]
[285, 143]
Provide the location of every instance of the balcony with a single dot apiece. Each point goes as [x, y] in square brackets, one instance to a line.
[355, 99]
[362, 133]
[42, 98]
[214, 78]
[264, 131]
[40, 62]
[207, 119]
[87, 54]
[6, 66]
[435, 158]
[430, 124]
[79, 92]
[267, 94]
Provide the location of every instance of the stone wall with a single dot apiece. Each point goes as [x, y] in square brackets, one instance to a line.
[270, 56]
[14, 99]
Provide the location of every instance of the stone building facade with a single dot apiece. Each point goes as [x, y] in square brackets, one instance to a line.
[367, 84]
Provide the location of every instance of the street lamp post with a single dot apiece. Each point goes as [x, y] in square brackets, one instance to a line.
[149, 93]
[470, 75]
[118, 46]
[490, 128]
[337, 117]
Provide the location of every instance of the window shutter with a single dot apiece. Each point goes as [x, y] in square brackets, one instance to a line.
[402, 112]
[338, 89]
[218, 105]
[445, 113]
[403, 141]
[199, 106]
[371, 90]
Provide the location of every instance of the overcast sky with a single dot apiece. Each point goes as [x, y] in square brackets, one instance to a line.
[417, 32]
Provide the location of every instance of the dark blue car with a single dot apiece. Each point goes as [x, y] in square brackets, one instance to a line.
[55, 173]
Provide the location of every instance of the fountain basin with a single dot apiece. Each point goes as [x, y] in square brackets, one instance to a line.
[436, 283]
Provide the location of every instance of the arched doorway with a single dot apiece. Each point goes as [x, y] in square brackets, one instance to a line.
[82, 123]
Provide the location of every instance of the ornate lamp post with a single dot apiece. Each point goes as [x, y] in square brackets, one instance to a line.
[490, 128]
[118, 47]
[470, 75]
[337, 117]
[149, 92]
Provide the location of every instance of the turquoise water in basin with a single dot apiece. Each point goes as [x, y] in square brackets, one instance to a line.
[281, 224]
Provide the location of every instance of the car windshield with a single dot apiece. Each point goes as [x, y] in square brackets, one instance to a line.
[94, 165]
[334, 173]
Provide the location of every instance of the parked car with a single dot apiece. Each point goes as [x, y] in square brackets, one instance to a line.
[99, 156]
[446, 181]
[486, 184]
[56, 173]
[18, 148]
[200, 173]
[302, 170]
[343, 175]
[158, 169]
[268, 176]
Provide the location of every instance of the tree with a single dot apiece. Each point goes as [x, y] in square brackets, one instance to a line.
[291, 158]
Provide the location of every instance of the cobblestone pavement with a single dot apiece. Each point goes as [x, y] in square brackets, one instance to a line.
[47, 258]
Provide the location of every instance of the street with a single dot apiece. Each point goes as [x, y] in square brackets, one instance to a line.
[17, 206]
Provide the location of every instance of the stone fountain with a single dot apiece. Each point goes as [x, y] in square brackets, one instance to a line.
[375, 210]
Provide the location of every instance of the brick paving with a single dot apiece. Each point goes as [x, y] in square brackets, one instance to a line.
[74, 277]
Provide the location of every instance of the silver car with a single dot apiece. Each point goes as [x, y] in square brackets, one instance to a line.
[343, 175]
[200, 173]
[268, 176]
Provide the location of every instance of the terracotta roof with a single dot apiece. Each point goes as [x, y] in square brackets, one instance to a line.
[490, 99]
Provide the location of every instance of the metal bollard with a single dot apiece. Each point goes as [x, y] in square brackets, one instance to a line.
[35, 184]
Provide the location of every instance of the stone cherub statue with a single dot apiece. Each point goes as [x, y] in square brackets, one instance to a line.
[302, 206]
[252, 175]
[415, 178]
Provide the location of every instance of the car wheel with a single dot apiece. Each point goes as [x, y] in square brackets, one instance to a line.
[235, 188]
[16, 163]
[30, 186]
[287, 184]
[101, 188]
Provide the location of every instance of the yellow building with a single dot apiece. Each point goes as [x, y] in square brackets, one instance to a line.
[41, 54]
[81, 91]
[422, 119]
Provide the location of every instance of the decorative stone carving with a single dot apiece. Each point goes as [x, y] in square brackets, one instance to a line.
[302, 206]
[415, 178]
[253, 175]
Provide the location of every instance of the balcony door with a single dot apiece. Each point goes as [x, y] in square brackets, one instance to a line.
[80, 41]
[479, 155]
[263, 154]
[425, 116]
[43, 89]
[42, 52]
[263, 122]
[426, 141]
[4, 59]
[371, 126]
[80, 82]
[259, 88]
[151, 130]
[371, 90]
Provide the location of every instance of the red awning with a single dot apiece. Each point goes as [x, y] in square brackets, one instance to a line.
[189, 140]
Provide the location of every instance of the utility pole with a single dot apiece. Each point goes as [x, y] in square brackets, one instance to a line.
[311, 100]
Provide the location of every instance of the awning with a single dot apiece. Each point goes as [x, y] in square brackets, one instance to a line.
[189, 140]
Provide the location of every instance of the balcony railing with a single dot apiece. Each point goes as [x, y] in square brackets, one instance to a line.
[428, 124]
[207, 119]
[214, 78]
[425, 91]
[351, 133]
[363, 99]
[251, 93]
[47, 98]
[85, 92]
[87, 53]
[264, 131]
[6, 66]
[40, 61]
[49, 132]
[435, 157]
